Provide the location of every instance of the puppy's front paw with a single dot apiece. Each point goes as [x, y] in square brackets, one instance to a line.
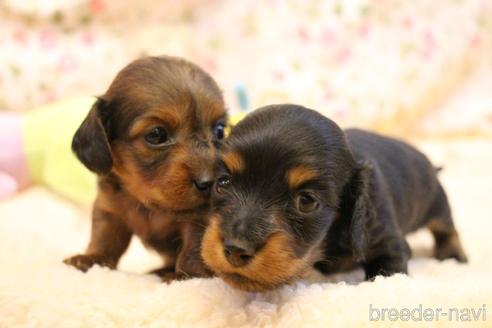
[81, 262]
[161, 272]
[385, 266]
[169, 277]
[193, 268]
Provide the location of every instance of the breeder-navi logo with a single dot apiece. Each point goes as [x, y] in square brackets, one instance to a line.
[421, 313]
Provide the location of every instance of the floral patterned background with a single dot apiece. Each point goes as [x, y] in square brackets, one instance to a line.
[380, 64]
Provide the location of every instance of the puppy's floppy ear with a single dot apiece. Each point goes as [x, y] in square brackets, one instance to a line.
[90, 143]
[358, 206]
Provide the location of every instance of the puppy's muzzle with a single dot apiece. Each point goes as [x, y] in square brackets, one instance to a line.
[238, 252]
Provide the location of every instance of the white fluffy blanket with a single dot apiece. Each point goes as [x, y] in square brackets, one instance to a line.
[37, 230]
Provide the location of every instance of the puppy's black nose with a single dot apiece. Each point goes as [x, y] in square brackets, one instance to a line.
[238, 252]
[203, 185]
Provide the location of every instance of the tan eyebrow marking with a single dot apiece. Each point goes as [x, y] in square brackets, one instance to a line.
[214, 112]
[233, 161]
[169, 119]
[299, 175]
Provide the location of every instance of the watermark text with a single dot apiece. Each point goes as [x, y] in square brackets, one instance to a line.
[421, 313]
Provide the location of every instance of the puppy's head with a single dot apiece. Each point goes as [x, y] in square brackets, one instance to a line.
[281, 179]
[156, 130]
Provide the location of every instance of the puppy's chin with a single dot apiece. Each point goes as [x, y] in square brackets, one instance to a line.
[274, 265]
[248, 285]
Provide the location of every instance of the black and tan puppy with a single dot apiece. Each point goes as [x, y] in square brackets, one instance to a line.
[151, 138]
[295, 192]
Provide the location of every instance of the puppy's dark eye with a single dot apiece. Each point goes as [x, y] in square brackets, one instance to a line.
[219, 130]
[306, 203]
[157, 136]
[223, 183]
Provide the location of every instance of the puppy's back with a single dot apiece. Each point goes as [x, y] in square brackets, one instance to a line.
[404, 175]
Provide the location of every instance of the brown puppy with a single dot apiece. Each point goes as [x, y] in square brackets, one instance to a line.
[151, 138]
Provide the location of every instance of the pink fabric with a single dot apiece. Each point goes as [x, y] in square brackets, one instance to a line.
[13, 161]
[8, 185]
